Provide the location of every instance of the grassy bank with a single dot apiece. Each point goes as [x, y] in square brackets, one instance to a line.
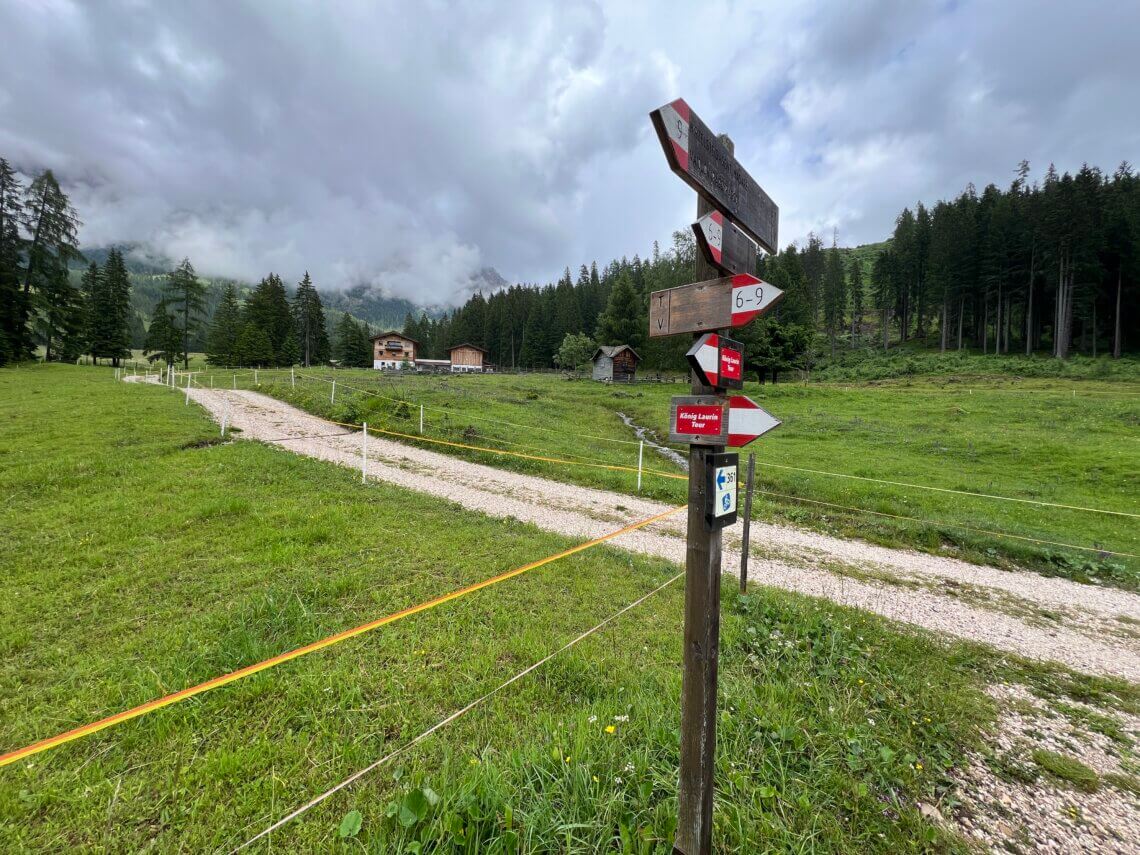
[140, 558]
[1051, 440]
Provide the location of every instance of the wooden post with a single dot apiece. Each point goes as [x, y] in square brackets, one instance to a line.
[364, 455]
[421, 419]
[747, 523]
[701, 635]
[293, 376]
[332, 396]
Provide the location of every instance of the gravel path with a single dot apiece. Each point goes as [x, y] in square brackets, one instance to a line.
[1085, 627]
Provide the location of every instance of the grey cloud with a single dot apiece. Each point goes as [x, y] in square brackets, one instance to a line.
[409, 145]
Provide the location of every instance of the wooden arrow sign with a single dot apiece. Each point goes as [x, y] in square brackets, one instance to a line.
[724, 245]
[747, 421]
[699, 158]
[731, 301]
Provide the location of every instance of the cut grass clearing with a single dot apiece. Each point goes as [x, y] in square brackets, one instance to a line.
[136, 563]
[1029, 440]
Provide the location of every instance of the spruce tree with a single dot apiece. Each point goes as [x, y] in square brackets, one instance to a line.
[163, 337]
[15, 337]
[112, 327]
[268, 309]
[624, 321]
[834, 295]
[352, 348]
[186, 296]
[856, 288]
[54, 227]
[225, 328]
[254, 349]
[309, 316]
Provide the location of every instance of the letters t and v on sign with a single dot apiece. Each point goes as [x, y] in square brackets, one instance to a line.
[731, 301]
[701, 160]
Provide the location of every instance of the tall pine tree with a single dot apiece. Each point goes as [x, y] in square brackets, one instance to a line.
[186, 296]
[225, 329]
[309, 316]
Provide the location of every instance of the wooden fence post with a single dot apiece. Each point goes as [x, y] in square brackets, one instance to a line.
[747, 524]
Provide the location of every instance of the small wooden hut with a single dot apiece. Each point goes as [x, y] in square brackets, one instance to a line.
[615, 363]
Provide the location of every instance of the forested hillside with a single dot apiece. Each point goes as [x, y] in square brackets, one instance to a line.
[1050, 267]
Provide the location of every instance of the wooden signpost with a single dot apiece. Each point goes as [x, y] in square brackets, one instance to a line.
[709, 420]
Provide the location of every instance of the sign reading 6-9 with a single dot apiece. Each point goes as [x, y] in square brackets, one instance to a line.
[753, 299]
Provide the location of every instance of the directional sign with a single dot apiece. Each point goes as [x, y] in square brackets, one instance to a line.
[699, 419]
[721, 490]
[719, 361]
[731, 301]
[724, 245]
[746, 421]
[701, 160]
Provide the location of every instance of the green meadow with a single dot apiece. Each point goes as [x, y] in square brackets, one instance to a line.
[142, 556]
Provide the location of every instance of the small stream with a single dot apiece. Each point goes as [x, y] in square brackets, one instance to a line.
[650, 439]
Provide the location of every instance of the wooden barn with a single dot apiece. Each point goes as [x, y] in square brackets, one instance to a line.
[615, 363]
[467, 358]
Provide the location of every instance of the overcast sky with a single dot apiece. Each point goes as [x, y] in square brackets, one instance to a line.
[410, 145]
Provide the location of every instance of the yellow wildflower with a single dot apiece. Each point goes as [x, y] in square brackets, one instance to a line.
[610, 728]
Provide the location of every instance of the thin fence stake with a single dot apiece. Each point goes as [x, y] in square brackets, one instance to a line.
[293, 376]
[747, 523]
[421, 419]
[235, 381]
[255, 383]
[640, 454]
[364, 455]
[332, 397]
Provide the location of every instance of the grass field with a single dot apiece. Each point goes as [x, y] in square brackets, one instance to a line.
[1051, 440]
[140, 558]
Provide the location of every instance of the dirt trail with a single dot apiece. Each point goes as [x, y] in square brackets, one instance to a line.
[1088, 628]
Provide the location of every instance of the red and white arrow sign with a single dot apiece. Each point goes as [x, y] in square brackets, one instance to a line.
[705, 356]
[746, 421]
[719, 360]
[751, 298]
